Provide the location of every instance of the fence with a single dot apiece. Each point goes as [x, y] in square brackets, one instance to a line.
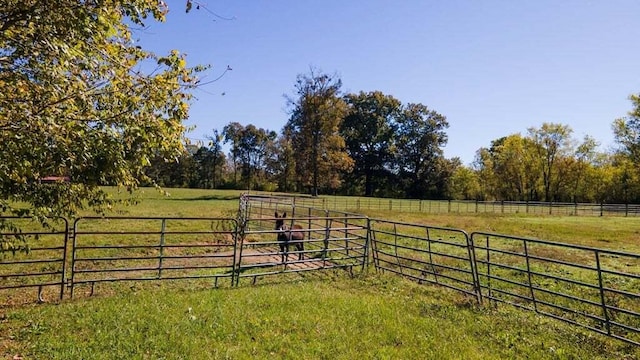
[332, 239]
[470, 206]
[137, 249]
[152, 249]
[437, 255]
[594, 288]
[41, 267]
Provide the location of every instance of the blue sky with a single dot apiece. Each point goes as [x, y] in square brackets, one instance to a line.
[493, 68]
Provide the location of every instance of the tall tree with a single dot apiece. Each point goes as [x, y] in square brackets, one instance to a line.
[232, 133]
[515, 170]
[282, 162]
[253, 145]
[585, 156]
[76, 102]
[317, 111]
[627, 131]
[420, 137]
[552, 141]
[368, 130]
[215, 145]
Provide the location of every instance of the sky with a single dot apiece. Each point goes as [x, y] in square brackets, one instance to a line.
[493, 68]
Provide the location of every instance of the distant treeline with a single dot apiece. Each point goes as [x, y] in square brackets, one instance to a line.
[371, 144]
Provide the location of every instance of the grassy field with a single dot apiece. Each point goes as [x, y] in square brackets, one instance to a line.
[309, 316]
[331, 317]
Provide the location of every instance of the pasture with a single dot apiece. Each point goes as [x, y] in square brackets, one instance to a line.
[327, 315]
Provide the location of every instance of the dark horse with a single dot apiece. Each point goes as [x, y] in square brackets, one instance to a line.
[295, 236]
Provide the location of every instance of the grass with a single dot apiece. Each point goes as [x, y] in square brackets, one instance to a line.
[370, 317]
[312, 316]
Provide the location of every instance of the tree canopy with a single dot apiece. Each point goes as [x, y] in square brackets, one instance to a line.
[316, 114]
[81, 101]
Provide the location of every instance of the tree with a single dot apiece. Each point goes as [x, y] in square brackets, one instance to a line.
[253, 145]
[232, 133]
[215, 144]
[585, 156]
[178, 172]
[316, 115]
[282, 161]
[420, 137]
[627, 131]
[552, 141]
[80, 99]
[463, 184]
[514, 168]
[369, 133]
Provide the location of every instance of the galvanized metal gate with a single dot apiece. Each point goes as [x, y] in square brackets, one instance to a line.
[594, 288]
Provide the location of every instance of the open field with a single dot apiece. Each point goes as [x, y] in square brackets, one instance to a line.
[371, 316]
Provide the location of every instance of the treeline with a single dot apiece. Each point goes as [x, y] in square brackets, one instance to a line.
[372, 144]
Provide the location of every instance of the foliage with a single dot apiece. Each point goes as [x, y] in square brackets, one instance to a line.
[552, 142]
[550, 165]
[420, 137]
[316, 115]
[627, 131]
[250, 148]
[369, 131]
[81, 101]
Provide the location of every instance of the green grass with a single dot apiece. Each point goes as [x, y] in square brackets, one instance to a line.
[372, 317]
[312, 316]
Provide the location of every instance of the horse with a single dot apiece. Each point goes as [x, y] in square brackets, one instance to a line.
[294, 235]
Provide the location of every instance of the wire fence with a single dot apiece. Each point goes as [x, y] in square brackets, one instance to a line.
[468, 206]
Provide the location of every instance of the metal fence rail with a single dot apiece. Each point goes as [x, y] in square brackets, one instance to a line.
[41, 266]
[593, 288]
[332, 239]
[436, 255]
[159, 248]
[467, 206]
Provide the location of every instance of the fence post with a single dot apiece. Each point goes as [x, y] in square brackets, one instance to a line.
[420, 205]
[327, 234]
[626, 209]
[308, 236]
[602, 297]
[601, 208]
[390, 205]
[162, 232]
[64, 257]
[367, 243]
[531, 292]
[346, 235]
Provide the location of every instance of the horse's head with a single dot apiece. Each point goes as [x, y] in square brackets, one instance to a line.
[280, 221]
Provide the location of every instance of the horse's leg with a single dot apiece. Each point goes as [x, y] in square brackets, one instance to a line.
[300, 247]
